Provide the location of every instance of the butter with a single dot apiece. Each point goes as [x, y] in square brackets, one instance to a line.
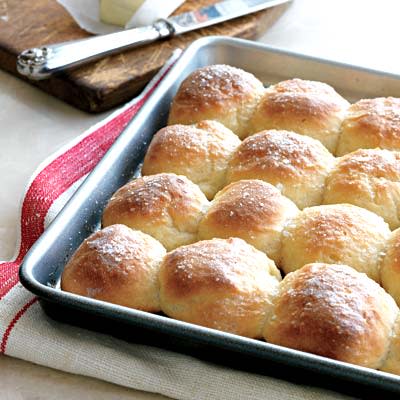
[118, 12]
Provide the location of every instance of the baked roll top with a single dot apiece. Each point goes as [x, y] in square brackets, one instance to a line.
[219, 92]
[252, 210]
[223, 284]
[117, 265]
[309, 108]
[297, 165]
[368, 178]
[371, 123]
[333, 311]
[336, 234]
[168, 207]
[200, 152]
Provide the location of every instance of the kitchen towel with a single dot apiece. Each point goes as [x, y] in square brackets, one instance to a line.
[27, 333]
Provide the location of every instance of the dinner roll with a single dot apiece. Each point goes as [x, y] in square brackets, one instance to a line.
[337, 234]
[166, 206]
[392, 362]
[118, 265]
[371, 123]
[200, 152]
[306, 107]
[252, 210]
[223, 284]
[390, 268]
[368, 178]
[218, 92]
[297, 165]
[333, 311]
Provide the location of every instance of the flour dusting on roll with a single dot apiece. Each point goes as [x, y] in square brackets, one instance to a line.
[371, 123]
[223, 284]
[117, 265]
[252, 210]
[297, 165]
[306, 107]
[168, 207]
[368, 178]
[333, 311]
[337, 234]
[201, 152]
[217, 92]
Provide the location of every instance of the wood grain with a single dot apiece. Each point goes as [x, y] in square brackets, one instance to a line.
[113, 80]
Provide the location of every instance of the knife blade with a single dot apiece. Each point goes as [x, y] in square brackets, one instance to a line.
[42, 62]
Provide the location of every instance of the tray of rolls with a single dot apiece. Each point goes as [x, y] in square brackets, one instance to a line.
[249, 215]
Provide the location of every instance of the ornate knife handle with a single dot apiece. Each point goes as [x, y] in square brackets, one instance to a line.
[42, 62]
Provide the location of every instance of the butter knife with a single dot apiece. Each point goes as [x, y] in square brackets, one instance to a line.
[42, 62]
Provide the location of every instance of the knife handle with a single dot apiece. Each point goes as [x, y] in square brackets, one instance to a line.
[42, 62]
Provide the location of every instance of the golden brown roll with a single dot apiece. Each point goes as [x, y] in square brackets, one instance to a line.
[306, 107]
[166, 206]
[368, 178]
[337, 234]
[218, 92]
[252, 210]
[297, 165]
[371, 123]
[333, 311]
[390, 268]
[118, 265]
[200, 152]
[223, 284]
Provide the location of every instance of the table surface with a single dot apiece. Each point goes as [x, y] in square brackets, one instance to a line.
[363, 32]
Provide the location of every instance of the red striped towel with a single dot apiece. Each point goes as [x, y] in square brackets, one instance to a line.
[59, 177]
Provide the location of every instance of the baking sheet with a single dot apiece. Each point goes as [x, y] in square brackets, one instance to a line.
[44, 263]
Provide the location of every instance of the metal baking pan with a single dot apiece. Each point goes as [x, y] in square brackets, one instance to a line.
[43, 265]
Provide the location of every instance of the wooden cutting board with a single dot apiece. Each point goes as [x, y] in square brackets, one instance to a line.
[104, 84]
